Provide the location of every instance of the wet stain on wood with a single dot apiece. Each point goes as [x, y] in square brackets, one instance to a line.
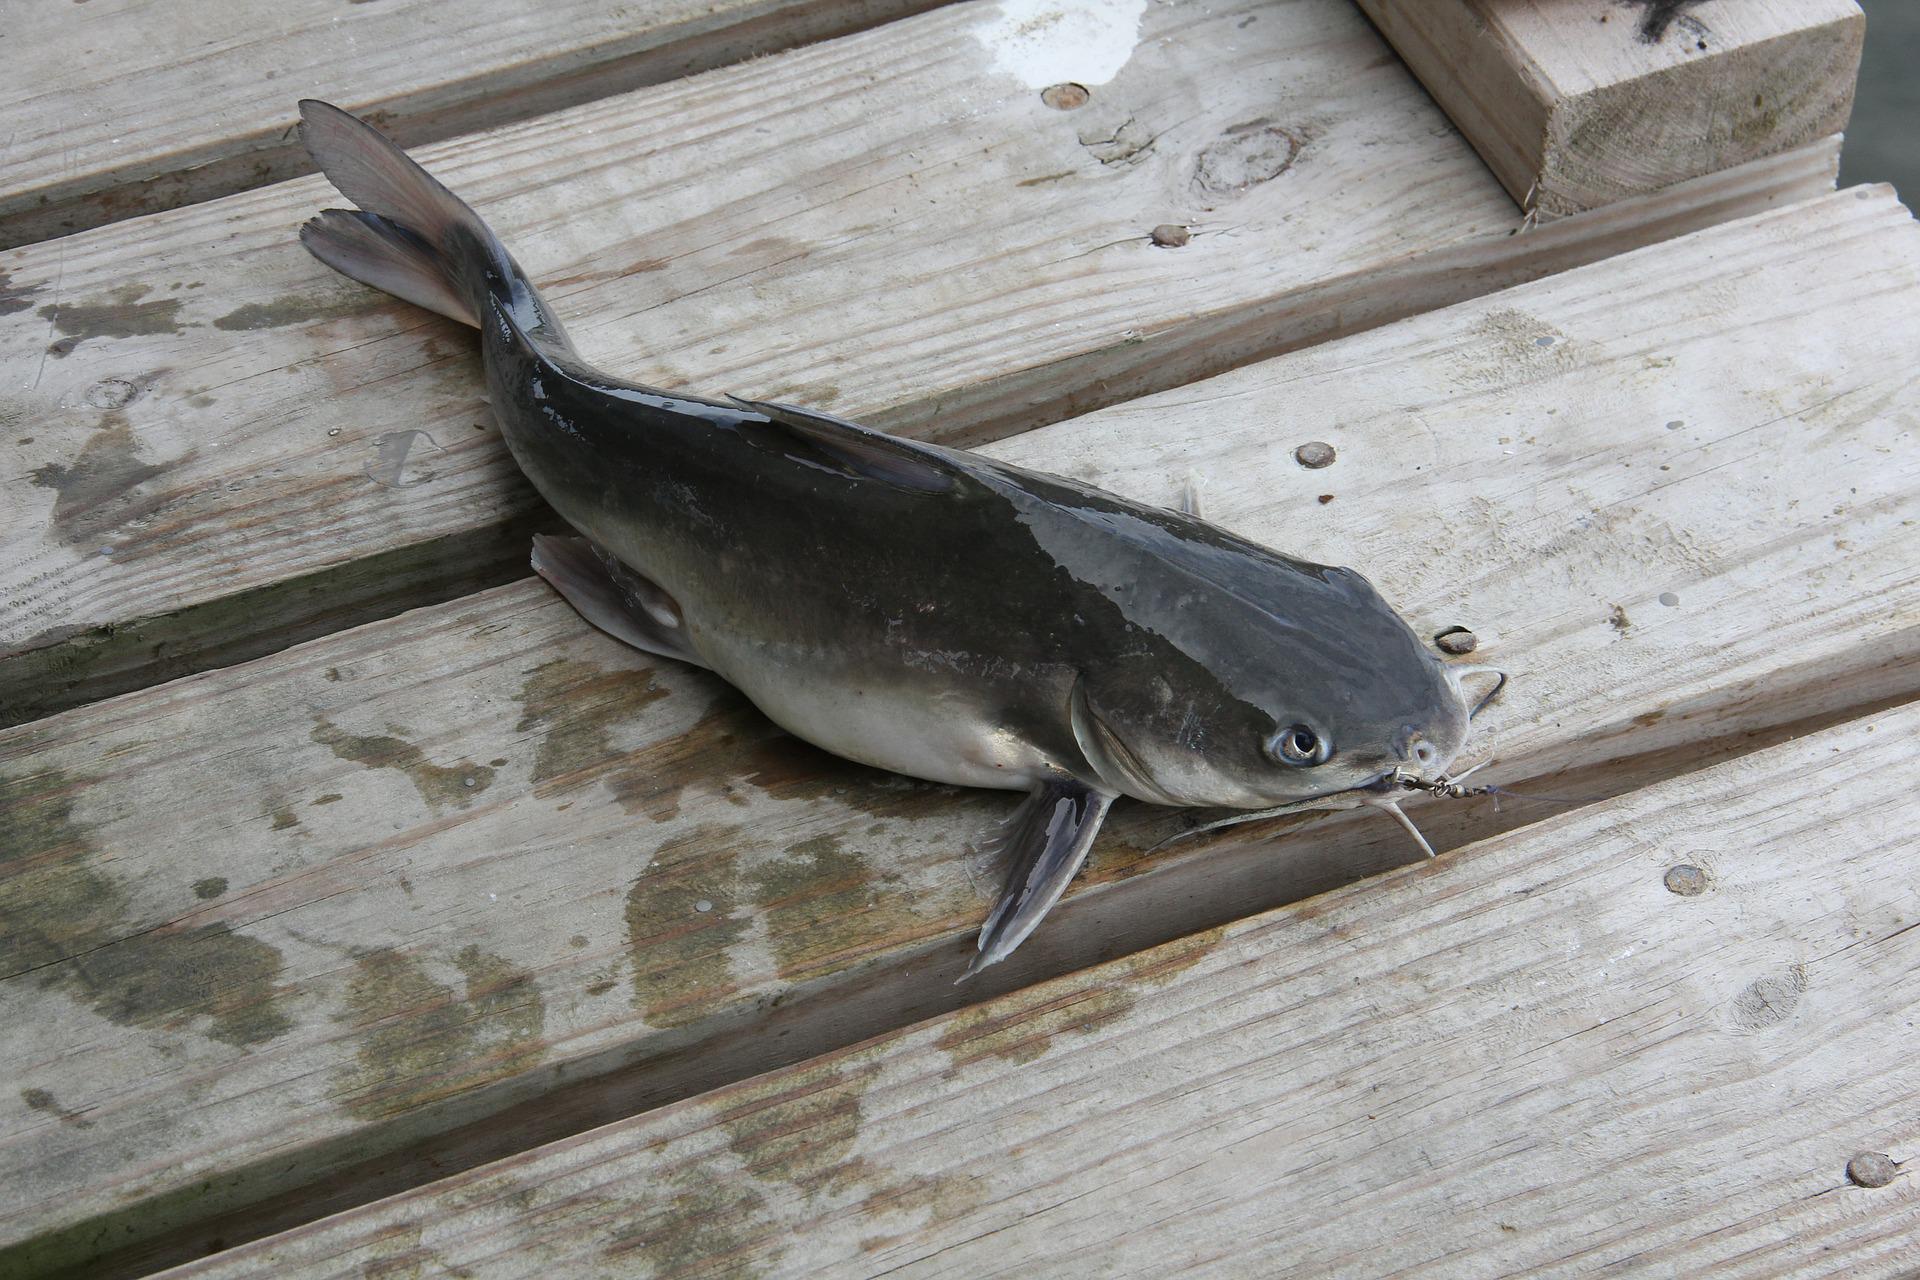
[701, 1224]
[15, 297]
[941, 1198]
[100, 490]
[1023, 1034]
[420, 1041]
[797, 1127]
[823, 902]
[67, 920]
[1164, 963]
[326, 304]
[575, 706]
[680, 954]
[120, 314]
[394, 450]
[41, 1100]
[441, 786]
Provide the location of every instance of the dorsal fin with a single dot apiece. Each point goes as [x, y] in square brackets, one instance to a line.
[854, 450]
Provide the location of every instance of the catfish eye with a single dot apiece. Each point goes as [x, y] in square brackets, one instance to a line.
[1299, 745]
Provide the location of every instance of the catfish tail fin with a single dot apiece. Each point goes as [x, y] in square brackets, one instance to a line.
[414, 239]
[383, 253]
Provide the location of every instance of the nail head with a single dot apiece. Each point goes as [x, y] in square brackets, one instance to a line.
[1065, 97]
[1871, 1169]
[1688, 881]
[1314, 454]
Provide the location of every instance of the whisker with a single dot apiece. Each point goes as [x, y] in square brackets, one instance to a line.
[1481, 669]
[1328, 803]
[1394, 809]
[1468, 772]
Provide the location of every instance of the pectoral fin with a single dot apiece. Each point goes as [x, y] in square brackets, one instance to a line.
[1047, 839]
[622, 603]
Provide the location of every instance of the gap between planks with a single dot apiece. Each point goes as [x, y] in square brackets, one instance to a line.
[235, 450]
[1545, 466]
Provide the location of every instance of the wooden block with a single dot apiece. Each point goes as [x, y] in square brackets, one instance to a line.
[429, 891]
[221, 448]
[127, 107]
[1575, 106]
[1533, 1057]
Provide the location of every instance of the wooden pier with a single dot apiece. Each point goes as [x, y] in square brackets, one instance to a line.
[363, 912]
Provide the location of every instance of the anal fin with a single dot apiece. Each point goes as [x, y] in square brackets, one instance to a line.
[1047, 839]
[626, 605]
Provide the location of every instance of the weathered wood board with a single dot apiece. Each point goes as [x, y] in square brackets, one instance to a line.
[375, 906]
[125, 107]
[1576, 105]
[216, 447]
[1533, 1057]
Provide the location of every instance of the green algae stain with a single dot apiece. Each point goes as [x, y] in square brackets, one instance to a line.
[421, 1041]
[824, 904]
[704, 1226]
[1024, 1032]
[283, 818]
[439, 785]
[796, 1127]
[575, 706]
[211, 887]
[680, 952]
[61, 916]
[932, 1200]
[1158, 966]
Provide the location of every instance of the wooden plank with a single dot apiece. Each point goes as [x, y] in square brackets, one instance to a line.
[1574, 106]
[1533, 1057]
[1670, 493]
[220, 448]
[125, 107]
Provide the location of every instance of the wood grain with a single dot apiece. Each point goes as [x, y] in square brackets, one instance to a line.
[433, 888]
[1530, 1057]
[216, 448]
[1576, 105]
[124, 107]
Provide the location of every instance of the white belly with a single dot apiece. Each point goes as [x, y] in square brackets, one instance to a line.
[942, 738]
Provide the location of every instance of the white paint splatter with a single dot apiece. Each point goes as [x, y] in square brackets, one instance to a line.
[1048, 42]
